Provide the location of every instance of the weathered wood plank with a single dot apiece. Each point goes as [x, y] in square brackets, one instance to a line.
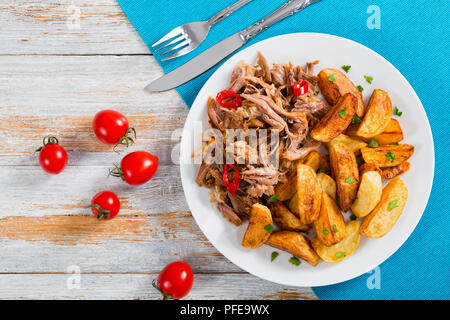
[60, 95]
[138, 286]
[67, 27]
[74, 85]
[43, 217]
[29, 191]
[125, 244]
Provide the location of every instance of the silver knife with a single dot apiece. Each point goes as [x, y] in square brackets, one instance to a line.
[212, 56]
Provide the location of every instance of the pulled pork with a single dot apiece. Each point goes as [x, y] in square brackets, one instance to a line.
[267, 103]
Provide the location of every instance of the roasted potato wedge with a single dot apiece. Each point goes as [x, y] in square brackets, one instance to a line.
[392, 172]
[351, 132]
[324, 162]
[381, 220]
[378, 115]
[387, 156]
[293, 205]
[294, 243]
[286, 190]
[366, 167]
[354, 144]
[306, 202]
[342, 249]
[256, 235]
[330, 225]
[369, 194]
[285, 219]
[391, 134]
[336, 120]
[333, 90]
[312, 160]
[328, 184]
[346, 174]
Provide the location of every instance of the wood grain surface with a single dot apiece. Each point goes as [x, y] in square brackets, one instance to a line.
[60, 63]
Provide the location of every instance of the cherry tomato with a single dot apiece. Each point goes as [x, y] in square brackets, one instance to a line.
[105, 205]
[136, 168]
[111, 127]
[175, 280]
[52, 157]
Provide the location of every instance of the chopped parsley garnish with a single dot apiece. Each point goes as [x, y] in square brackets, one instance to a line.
[394, 143]
[397, 112]
[346, 68]
[338, 200]
[342, 113]
[360, 88]
[325, 232]
[274, 256]
[340, 254]
[335, 229]
[321, 170]
[359, 160]
[350, 180]
[269, 228]
[369, 79]
[356, 119]
[352, 217]
[392, 204]
[332, 78]
[390, 156]
[316, 93]
[273, 198]
[373, 143]
[294, 260]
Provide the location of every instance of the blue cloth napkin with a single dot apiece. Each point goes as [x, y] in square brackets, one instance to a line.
[414, 36]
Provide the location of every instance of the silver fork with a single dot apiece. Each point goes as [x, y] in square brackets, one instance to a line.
[185, 38]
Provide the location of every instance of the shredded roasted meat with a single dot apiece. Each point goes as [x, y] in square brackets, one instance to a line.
[278, 73]
[241, 71]
[267, 103]
[298, 153]
[299, 130]
[229, 214]
[313, 106]
[262, 63]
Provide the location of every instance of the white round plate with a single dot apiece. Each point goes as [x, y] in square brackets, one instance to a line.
[333, 52]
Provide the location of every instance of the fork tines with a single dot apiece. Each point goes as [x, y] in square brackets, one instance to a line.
[173, 42]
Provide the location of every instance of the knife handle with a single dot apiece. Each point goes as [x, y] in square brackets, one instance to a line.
[227, 11]
[286, 10]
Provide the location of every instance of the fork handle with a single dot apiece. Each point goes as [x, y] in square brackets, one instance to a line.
[227, 11]
[286, 10]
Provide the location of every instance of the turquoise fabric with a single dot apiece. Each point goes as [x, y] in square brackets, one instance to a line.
[414, 36]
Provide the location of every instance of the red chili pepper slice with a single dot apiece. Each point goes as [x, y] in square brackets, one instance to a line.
[231, 186]
[229, 95]
[300, 87]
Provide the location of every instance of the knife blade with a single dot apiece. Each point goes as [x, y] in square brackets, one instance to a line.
[198, 65]
[212, 56]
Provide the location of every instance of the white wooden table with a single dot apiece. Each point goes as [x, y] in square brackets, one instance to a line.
[55, 74]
